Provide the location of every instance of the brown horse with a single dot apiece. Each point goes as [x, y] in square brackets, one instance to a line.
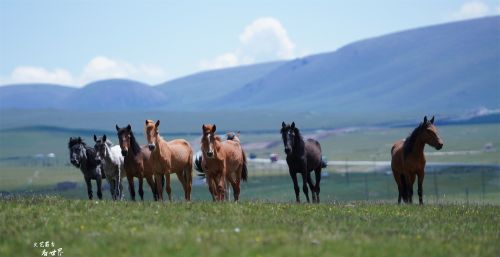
[408, 160]
[221, 161]
[174, 156]
[136, 162]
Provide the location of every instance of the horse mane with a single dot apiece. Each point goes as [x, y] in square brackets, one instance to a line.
[136, 148]
[109, 143]
[76, 140]
[410, 140]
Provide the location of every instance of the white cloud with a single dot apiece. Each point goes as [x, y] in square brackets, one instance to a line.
[265, 39]
[98, 68]
[470, 10]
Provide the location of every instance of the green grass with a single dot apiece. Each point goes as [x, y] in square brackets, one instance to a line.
[104, 228]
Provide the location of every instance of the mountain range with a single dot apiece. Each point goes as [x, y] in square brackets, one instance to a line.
[443, 69]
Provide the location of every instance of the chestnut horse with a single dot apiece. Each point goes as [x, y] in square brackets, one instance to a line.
[174, 156]
[136, 163]
[221, 161]
[408, 160]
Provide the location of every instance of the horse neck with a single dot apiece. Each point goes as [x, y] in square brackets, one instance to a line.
[298, 146]
[161, 144]
[419, 145]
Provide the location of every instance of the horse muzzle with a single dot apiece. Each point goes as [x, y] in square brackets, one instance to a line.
[288, 150]
[210, 154]
[124, 153]
[439, 146]
[75, 163]
[152, 147]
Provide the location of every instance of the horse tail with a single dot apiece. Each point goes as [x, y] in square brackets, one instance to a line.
[198, 166]
[324, 164]
[244, 172]
[187, 172]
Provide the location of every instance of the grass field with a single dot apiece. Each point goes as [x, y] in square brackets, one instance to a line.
[104, 228]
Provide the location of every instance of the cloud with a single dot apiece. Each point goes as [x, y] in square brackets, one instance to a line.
[97, 68]
[265, 39]
[470, 10]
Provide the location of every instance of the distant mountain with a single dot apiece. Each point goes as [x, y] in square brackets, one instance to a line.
[193, 91]
[444, 69]
[438, 69]
[33, 96]
[115, 95]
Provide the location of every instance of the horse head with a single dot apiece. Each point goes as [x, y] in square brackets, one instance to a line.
[152, 134]
[77, 153]
[101, 147]
[124, 135]
[208, 140]
[430, 134]
[289, 134]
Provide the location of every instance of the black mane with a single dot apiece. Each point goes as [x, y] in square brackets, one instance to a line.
[76, 140]
[410, 140]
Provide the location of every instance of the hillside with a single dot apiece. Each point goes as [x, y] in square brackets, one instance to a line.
[445, 69]
[441, 69]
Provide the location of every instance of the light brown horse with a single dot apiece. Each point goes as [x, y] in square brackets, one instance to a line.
[408, 160]
[174, 156]
[136, 162]
[221, 161]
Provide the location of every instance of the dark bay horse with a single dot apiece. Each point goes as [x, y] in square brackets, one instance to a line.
[85, 158]
[136, 163]
[408, 160]
[167, 157]
[222, 161]
[302, 157]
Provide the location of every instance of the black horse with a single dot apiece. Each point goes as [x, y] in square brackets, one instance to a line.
[85, 158]
[302, 157]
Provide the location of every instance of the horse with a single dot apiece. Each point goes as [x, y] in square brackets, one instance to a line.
[136, 162]
[167, 157]
[408, 160]
[85, 158]
[302, 157]
[221, 161]
[112, 163]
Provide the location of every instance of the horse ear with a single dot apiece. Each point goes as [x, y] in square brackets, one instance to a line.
[129, 128]
[79, 140]
[203, 127]
[95, 138]
[432, 120]
[146, 122]
[157, 123]
[283, 125]
[293, 124]
[117, 128]
[425, 119]
[214, 128]
[104, 138]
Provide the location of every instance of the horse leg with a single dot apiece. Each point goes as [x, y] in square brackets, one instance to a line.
[89, 187]
[168, 187]
[221, 187]
[131, 188]
[99, 187]
[152, 185]
[412, 181]
[141, 190]
[211, 186]
[236, 188]
[304, 185]
[159, 187]
[311, 186]
[317, 174]
[112, 187]
[182, 179]
[420, 184]
[295, 185]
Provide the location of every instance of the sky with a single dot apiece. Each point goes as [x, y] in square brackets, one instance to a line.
[76, 42]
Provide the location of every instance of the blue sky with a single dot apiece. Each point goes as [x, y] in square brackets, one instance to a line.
[76, 42]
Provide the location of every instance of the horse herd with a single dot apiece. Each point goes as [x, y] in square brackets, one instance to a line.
[223, 162]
